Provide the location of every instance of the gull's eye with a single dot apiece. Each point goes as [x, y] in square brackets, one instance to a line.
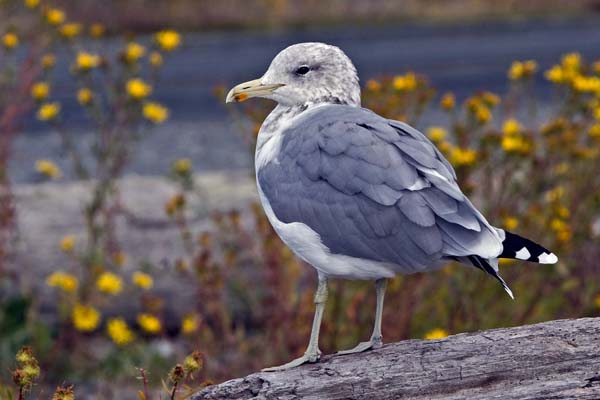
[303, 70]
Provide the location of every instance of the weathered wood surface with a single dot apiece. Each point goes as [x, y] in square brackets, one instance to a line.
[552, 360]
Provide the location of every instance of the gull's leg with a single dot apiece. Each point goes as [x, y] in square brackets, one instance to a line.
[376, 338]
[312, 353]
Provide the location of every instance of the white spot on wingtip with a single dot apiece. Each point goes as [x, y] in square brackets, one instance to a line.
[546, 258]
[510, 293]
[523, 254]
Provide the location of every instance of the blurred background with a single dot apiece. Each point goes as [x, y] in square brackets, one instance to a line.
[132, 247]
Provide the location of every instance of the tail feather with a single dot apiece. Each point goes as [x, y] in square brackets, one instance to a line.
[485, 266]
[515, 246]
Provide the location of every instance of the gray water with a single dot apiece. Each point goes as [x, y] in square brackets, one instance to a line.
[460, 58]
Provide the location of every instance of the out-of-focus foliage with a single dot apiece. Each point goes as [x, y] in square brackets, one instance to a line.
[113, 90]
[145, 15]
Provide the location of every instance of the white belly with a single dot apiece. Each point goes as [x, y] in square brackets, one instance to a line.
[307, 245]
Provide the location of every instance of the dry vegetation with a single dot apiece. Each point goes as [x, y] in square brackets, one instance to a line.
[148, 15]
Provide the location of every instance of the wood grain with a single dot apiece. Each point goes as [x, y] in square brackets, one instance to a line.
[552, 360]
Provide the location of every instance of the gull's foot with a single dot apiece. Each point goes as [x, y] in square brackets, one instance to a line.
[374, 343]
[305, 359]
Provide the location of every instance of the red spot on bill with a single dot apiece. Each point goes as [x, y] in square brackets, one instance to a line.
[241, 97]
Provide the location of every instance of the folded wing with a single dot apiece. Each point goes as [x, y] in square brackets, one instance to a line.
[374, 188]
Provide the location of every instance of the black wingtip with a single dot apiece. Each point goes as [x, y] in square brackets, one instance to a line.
[520, 248]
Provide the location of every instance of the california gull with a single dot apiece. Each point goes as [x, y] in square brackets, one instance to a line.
[356, 195]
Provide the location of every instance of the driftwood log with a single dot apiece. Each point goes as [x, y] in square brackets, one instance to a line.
[551, 360]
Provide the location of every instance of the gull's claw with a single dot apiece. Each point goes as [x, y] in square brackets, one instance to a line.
[374, 343]
[305, 359]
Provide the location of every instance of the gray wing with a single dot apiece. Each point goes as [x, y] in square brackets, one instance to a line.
[373, 188]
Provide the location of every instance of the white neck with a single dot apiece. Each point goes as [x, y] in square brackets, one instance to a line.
[271, 133]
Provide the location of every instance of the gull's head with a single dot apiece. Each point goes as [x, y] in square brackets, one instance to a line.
[305, 73]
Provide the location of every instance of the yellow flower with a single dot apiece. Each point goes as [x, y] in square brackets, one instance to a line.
[25, 356]
[555, 194]
[142, 280]
[437, 333]
[85, 96]
[48, 61]
[510, 223]
[31, 3]
[571, 61]
[515, 71]
[48, 111]
[156, 59]
[436, 133]
[594, 131]
[597, 300]
[138, 89]
[10, 40]
[63, 280]
[373, 85]
[405, 83]
[558, 225]
[522, 69]
[581, 83]
[40, 90]
[133, 52]
[70, 30]
[483, 114]
[462, 157]
[445, 147]
[28, 371]
[85, 318]
[530, 67]
[511, 127]
[48, 169]
[190, 324]
[97, 30]
[586, 152]
[586, 84]
[67, 243]
[54, 16]
[86, 61]
[119, 331]
[27, 374]
[490, 99]
[563, 212]
[168, 40]
[109, 283]
[555, 74]
[448, 101]
[193, 363]
[597, 113]
[155, 112]
[515, 144]
[182, 166]
[149, 323]
[564, 236]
